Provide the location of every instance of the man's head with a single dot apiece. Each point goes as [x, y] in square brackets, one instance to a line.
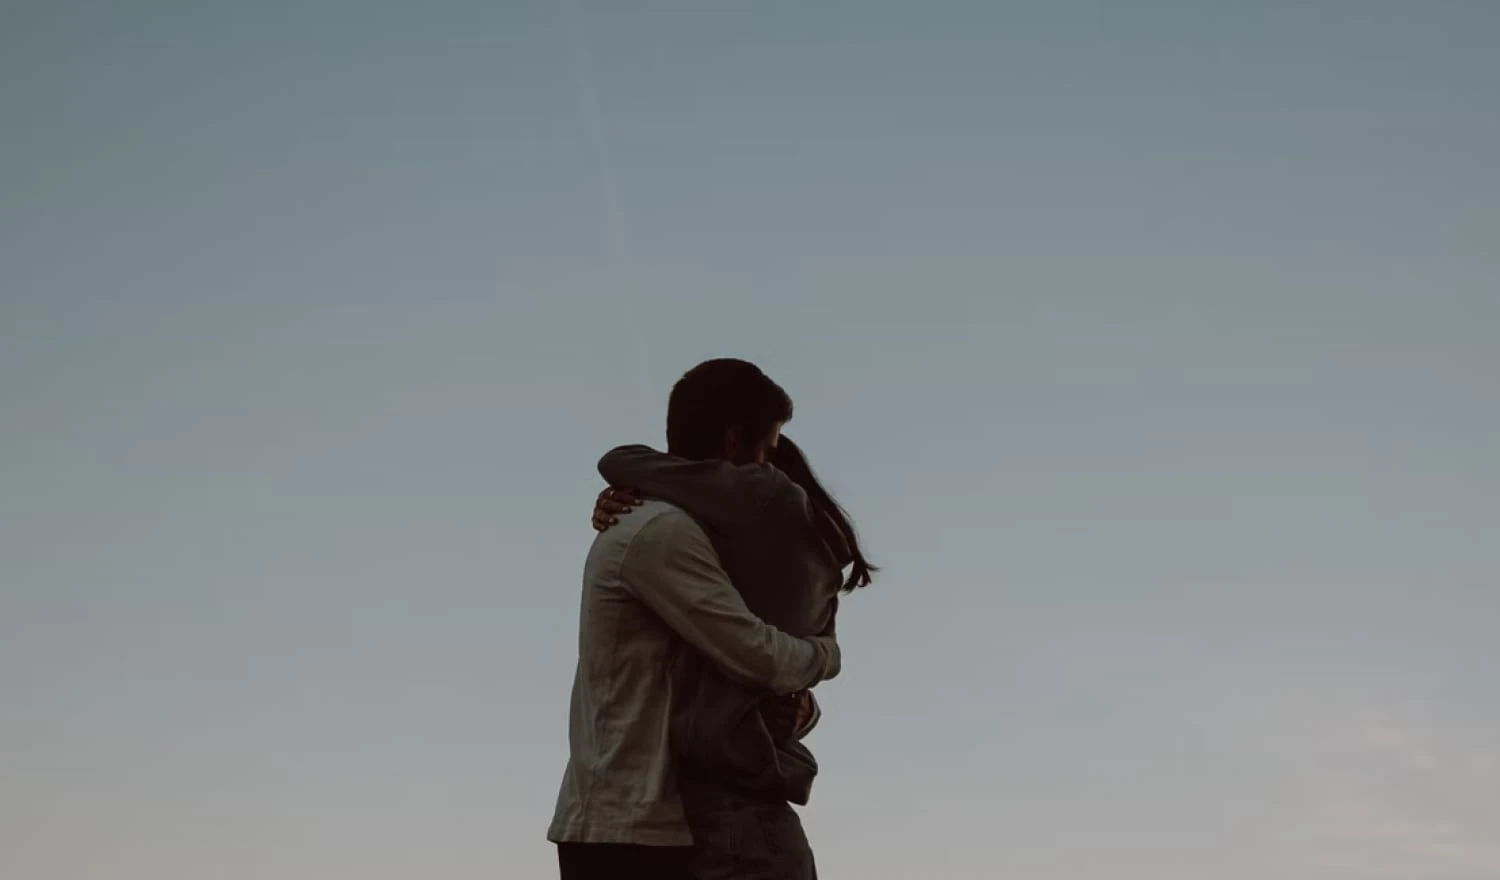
[726, 408]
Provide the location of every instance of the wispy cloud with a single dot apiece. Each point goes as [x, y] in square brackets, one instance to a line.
[1386, 788]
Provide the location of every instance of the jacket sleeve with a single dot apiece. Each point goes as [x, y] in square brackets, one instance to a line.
[817, 710]
[671, 567]
[714, 492]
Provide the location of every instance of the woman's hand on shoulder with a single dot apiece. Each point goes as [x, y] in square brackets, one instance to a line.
[613, 503]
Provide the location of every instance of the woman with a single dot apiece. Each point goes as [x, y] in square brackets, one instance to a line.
[785, 543]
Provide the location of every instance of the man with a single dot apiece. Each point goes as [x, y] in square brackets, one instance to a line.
[651, 585]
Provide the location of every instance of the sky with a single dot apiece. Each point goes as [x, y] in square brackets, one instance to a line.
[1152, 347]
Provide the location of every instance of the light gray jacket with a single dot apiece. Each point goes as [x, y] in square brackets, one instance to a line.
[652, 584]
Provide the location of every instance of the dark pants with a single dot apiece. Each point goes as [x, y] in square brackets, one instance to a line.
[622, 861]
[744, 838]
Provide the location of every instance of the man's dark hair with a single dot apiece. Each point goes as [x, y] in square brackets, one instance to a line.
[724, 394]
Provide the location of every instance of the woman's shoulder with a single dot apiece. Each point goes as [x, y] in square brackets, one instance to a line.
[783, 500]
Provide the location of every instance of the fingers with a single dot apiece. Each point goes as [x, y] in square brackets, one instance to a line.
[804, 713]
[619, 501]
[781, 714]
[611, 504]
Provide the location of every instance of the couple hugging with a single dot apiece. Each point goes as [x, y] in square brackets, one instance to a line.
[709, 599]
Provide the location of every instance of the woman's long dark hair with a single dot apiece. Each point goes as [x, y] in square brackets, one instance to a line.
[788, 458]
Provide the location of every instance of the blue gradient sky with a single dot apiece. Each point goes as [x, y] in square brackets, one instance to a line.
[1152, 345]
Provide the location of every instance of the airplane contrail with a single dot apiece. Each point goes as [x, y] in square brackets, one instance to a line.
[593, 117]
